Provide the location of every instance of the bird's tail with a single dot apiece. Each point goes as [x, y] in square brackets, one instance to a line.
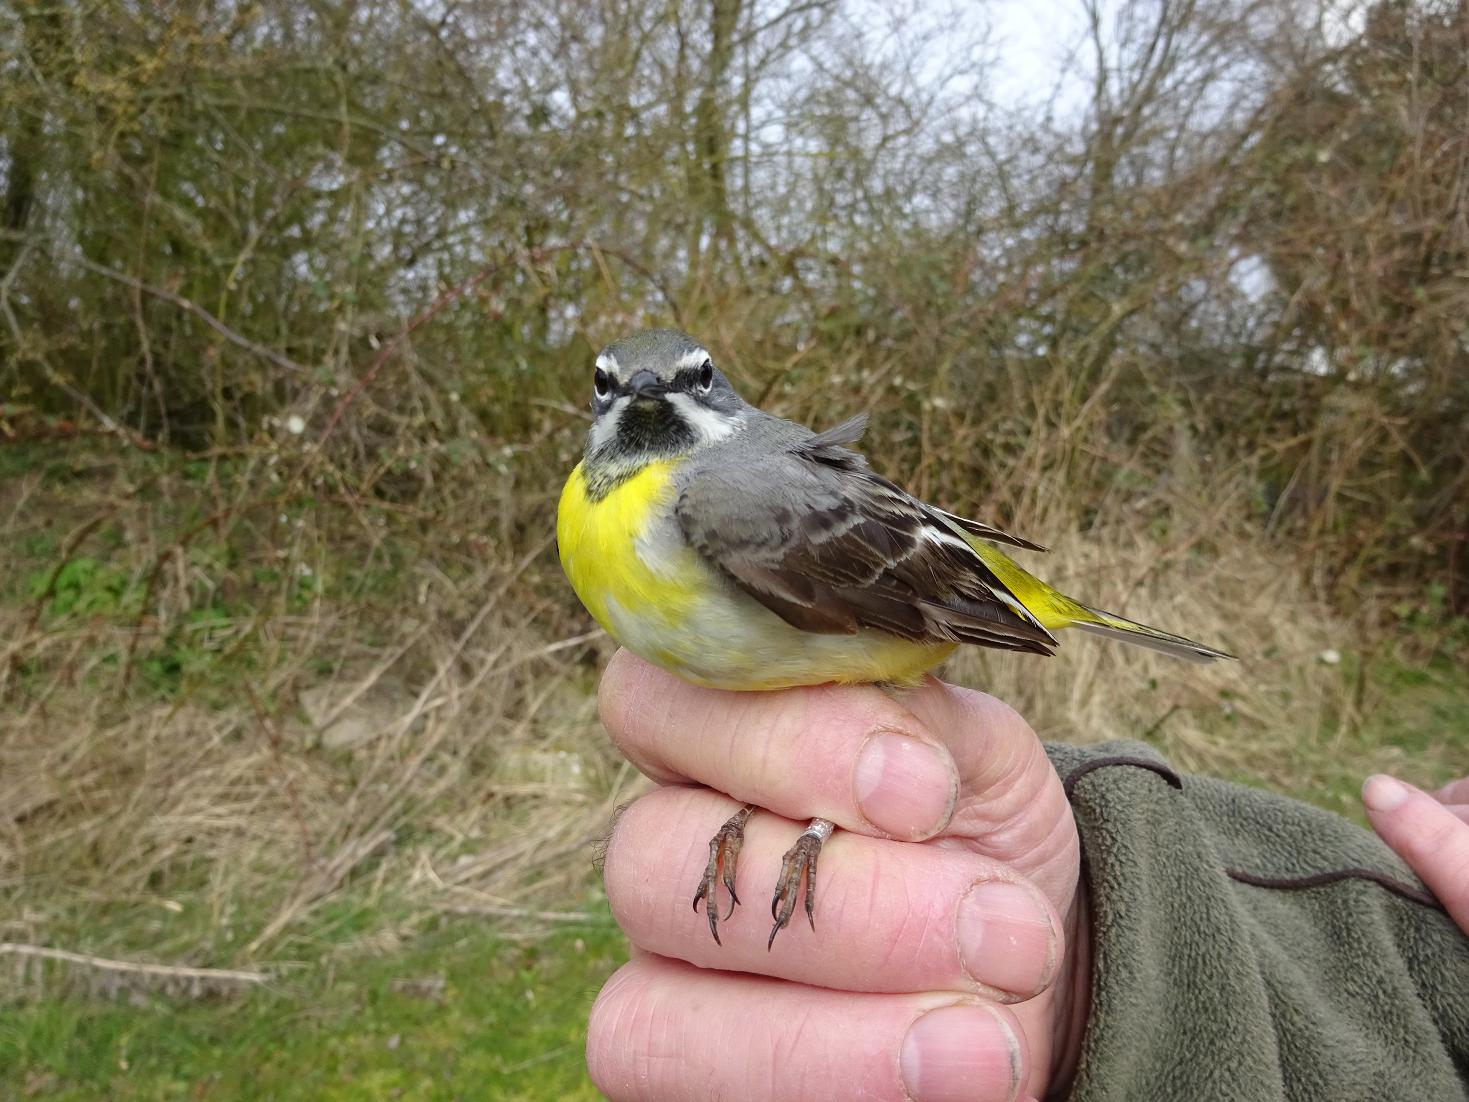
[1112, 626]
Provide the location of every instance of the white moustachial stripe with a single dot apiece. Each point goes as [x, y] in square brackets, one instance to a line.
[710, 425]
[604, 429]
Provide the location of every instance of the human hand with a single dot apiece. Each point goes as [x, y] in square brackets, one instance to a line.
[911, 986]
[1429, 832]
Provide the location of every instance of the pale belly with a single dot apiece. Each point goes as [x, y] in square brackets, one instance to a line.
[728, 640]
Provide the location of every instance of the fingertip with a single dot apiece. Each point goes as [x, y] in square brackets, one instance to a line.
[963, 1052]
[1010, 938]
[902, 780]
[905, 784]
[1384, 794]
[1003, 766]
[1429, 836]
[613, 865]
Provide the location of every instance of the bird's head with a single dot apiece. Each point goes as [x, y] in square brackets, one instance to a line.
[657, 394]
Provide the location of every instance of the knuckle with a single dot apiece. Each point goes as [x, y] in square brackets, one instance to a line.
[1431, 839]
[1454, 872]
[867, 709]
[838, 721]
[796, 749]
[998, 712]
[764, 750]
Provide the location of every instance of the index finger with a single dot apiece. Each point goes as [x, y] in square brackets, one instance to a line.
[850, 754]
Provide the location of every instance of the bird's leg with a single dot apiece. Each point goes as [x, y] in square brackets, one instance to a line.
[798, 864]
[724, 853]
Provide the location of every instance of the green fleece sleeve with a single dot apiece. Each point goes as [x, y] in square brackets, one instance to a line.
[1248, 946]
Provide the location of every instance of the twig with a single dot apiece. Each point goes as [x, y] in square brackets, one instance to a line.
[138, 968]
[385, 353]
[191, 307]
[324, 881]
[576, 918]
[559, 645]
[540, 1058]
[1158, 726]
[52, 375]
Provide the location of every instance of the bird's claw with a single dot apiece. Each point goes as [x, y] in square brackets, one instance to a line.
[798, 866]
[724, 854]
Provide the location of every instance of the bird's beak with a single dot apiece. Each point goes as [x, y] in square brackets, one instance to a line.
[644, 384]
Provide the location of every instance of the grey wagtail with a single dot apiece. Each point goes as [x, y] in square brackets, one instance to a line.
[742, 551]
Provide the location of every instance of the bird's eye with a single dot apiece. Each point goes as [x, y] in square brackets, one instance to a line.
[706, 377]
[602, 383]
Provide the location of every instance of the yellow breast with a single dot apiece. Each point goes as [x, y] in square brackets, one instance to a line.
[627, 561]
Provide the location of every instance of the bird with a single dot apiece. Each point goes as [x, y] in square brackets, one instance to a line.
[743, 551]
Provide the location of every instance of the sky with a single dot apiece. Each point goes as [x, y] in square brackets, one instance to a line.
[1029, 42]
[1033, 41]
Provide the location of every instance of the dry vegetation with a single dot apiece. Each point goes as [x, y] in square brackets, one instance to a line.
[213, 772]
[296, 308]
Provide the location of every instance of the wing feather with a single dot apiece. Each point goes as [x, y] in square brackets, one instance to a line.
[848, 432]
[812, 533]
[987, 532]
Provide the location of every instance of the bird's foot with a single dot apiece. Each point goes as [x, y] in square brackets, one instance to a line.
[798, 866]
[724, 854]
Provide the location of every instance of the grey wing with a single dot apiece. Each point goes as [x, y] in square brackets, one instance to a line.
[851, 430]
[828, 545]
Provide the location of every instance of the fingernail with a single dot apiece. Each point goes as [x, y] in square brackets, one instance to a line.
[1006, 939]
[1383, 793]
[904, 786]
[960, 1054]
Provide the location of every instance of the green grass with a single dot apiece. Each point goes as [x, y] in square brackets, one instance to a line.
[465, 1012]
[1416, 726]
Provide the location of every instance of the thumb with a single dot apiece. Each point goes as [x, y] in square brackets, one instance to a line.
[1010, 807]
[1426, 834]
